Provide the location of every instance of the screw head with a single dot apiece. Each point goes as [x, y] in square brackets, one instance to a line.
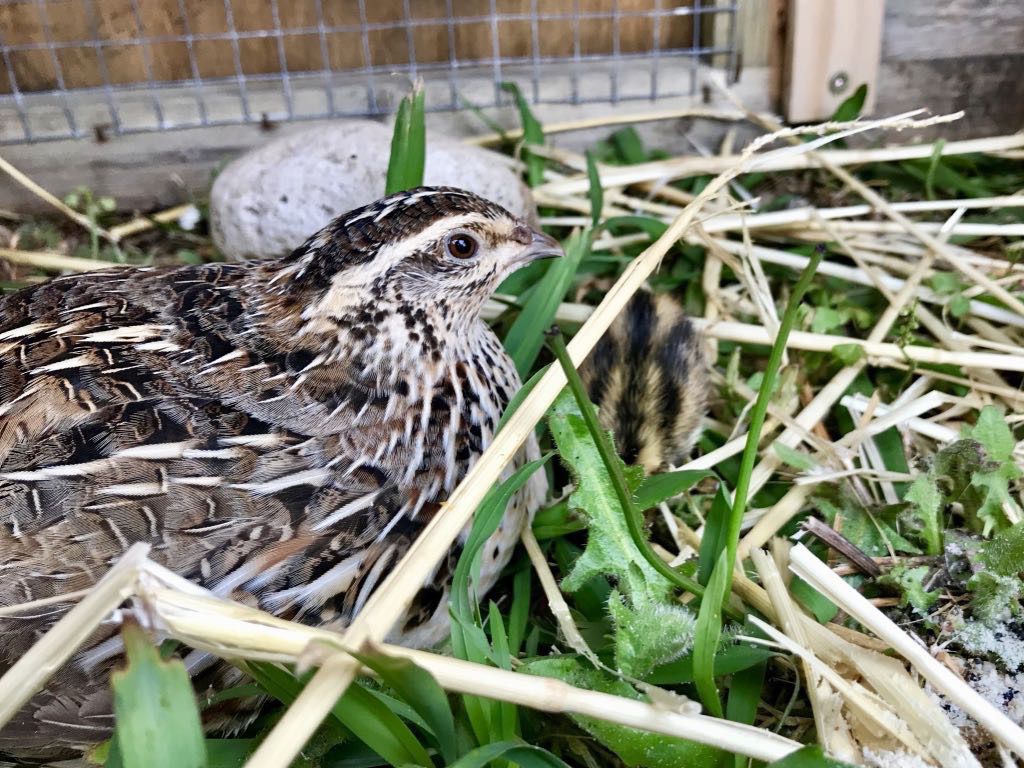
[839, 82]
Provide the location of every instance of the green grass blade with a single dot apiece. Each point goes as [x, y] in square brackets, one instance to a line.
[379, 728]
[519, 611]
[715, 532]
[408, 144]
[360, 712]
[933, 167]
[513, 751]
[157, 723]
[654, 228]
[729, 660]
[760, 410]
[508, 715]
[744, 697]
[229, 753]
[468, 640]
[526, 336]
[518, 397]
[658, 488]
[419, 690]
[596, 193]
[709, 632]
[533, 133]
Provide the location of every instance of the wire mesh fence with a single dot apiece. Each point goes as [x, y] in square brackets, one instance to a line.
[74, 68]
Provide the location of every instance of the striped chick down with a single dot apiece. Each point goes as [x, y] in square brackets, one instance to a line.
[648, 377]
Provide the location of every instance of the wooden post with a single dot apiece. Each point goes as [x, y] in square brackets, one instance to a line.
[832, 47]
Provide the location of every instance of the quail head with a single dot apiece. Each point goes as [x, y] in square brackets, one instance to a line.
[278, 431]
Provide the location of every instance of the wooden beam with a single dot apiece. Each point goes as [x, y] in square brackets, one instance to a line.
[833, 46]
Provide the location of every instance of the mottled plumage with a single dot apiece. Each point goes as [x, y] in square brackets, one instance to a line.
[278, 431]
[648, 375]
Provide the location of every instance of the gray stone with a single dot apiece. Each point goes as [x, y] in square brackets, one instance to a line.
[270, 200]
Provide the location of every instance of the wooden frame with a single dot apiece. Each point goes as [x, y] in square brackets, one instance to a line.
[832, 47]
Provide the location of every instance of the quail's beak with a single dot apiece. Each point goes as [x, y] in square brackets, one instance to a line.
[542, 246]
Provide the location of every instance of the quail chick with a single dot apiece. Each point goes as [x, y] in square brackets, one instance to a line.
[278, 431]
[648, 376]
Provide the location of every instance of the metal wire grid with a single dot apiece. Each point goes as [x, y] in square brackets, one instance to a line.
[373, 89]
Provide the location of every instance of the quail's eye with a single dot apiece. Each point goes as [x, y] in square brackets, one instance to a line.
[462, 246]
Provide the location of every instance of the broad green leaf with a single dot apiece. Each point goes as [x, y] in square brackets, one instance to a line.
[848, 354]
[992, 431]
[1004, 553]
[925, 496]
[959, 306]
[827, 319]
[526, 336]
[729, 659]
[808, 757]
[945, 283]
[793, 457]
[419, 690]
[533, 133]
[634, 747]
[408, 144]
[157, 721]
[851, 106]
[910, 582]
[709, 632]
[822, 608]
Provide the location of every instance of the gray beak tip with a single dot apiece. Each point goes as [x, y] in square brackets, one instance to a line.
[543, 246]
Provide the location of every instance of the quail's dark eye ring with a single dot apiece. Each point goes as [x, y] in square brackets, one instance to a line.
[461, 246]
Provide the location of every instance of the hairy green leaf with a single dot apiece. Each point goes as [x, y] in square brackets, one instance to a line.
[643, 595]
[910, 582]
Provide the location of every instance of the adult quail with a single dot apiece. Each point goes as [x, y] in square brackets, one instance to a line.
[278, 431]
